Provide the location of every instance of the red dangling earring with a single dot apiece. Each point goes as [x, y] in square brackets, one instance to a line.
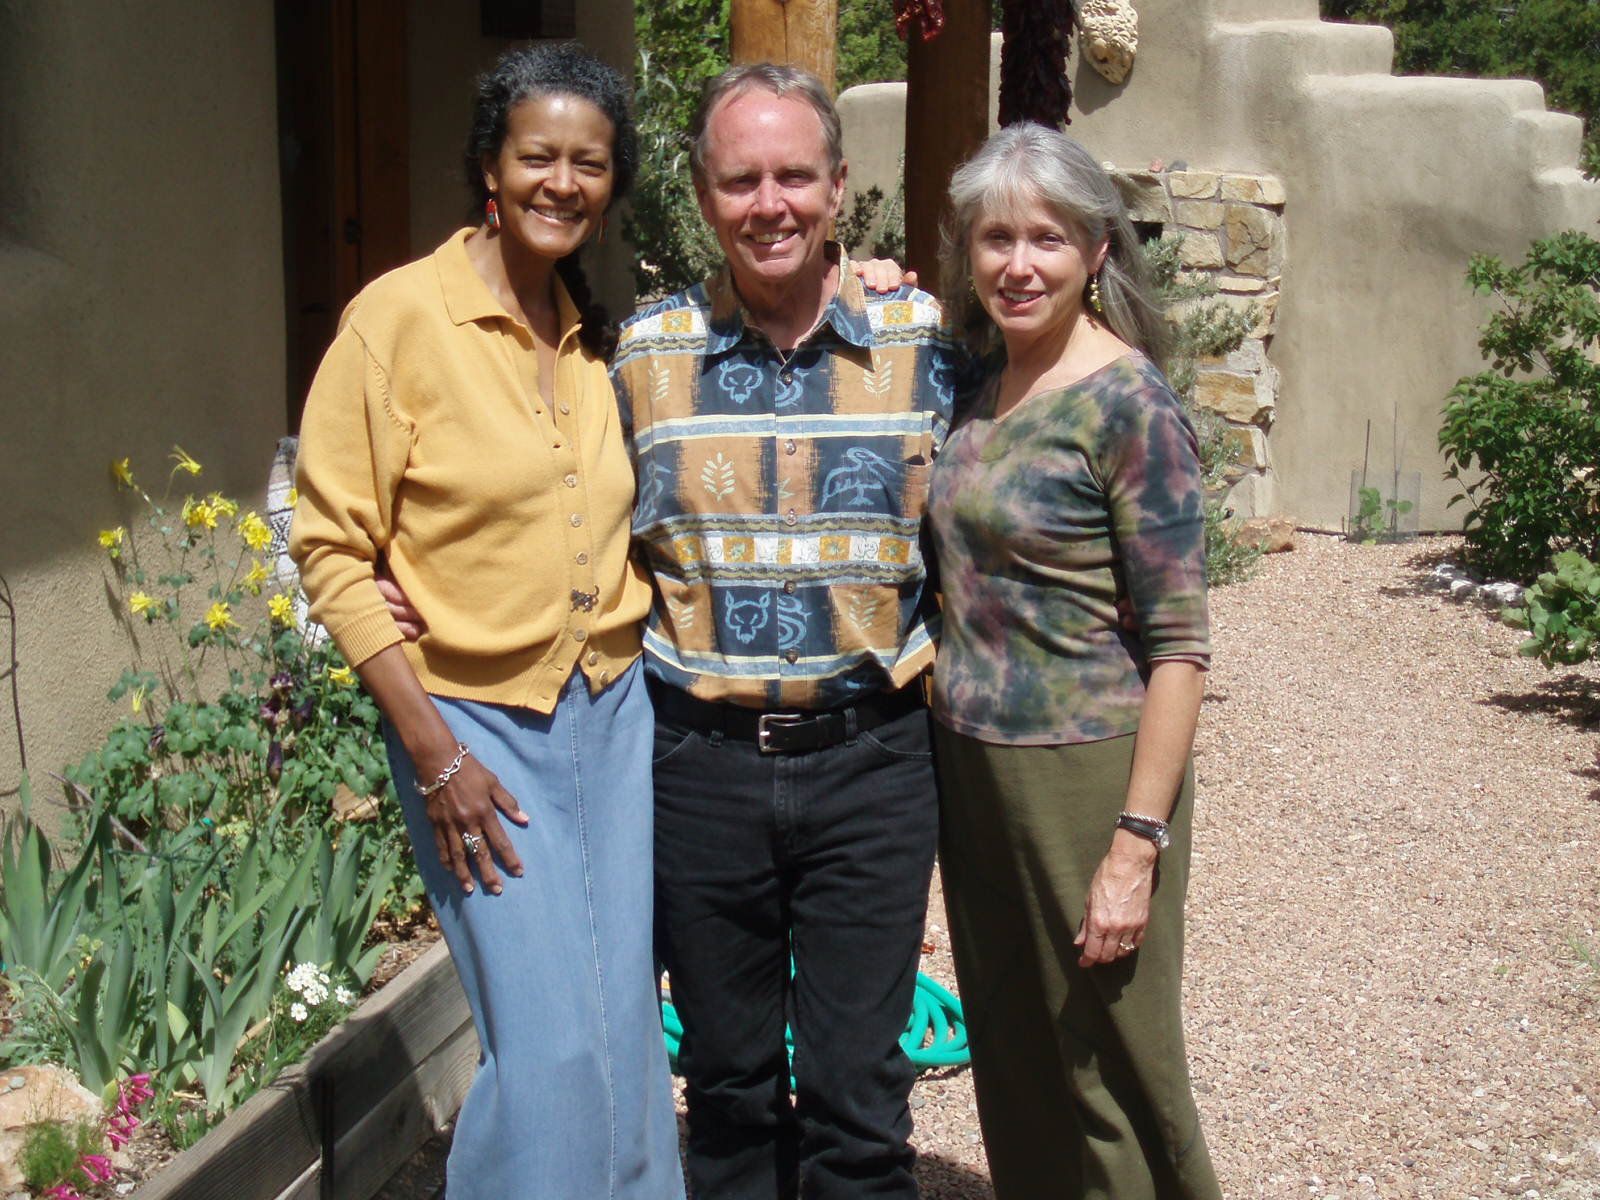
[491, 214]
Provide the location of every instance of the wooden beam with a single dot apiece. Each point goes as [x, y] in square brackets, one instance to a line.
[802, 32]
[947, 118]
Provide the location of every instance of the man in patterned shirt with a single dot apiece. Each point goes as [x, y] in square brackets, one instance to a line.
[783, 421]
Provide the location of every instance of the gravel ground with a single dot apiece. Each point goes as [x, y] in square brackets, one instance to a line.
[1395, 842]
[1395, 847]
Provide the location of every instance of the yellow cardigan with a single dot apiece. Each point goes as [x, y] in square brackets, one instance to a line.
[425, 442]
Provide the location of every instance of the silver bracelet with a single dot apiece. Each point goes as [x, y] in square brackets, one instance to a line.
[445, 775]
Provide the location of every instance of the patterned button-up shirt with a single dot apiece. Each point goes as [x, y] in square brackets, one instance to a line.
[781, 495]
[1042, 520]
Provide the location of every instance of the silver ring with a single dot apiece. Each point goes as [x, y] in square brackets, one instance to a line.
[471, 841]
[1124, 945]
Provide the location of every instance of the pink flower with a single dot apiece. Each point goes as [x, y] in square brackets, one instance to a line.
[135, 1090]
[63, 1191]
[97, 1167]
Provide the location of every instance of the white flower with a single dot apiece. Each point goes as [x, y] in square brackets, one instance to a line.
[297, 1011]
[344, 996]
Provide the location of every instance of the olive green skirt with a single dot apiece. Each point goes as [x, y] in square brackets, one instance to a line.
[1082, 1081]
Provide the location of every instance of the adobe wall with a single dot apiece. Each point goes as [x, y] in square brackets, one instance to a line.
[141, 304]
[1391, 185]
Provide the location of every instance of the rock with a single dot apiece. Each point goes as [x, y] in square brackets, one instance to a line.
[1462, 589]
[1201, 250]
[1193, 185]
[1270, 535]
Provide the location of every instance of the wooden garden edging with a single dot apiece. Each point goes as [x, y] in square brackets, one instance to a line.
[341, 1122]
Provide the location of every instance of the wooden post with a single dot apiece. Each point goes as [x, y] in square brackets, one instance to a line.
[947, 118]
[802, 32]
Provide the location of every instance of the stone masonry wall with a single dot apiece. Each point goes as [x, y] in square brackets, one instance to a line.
[1233, 234]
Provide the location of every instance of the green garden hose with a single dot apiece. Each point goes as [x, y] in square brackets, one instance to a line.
[935, 1036]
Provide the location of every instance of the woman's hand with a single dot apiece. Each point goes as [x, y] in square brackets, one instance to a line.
[471, 803]
[466, 824]
[883, 274]
[1117, 909]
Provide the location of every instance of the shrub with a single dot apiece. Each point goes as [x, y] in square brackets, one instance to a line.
[1561, 612]
[1522, 440]
[1203, 327]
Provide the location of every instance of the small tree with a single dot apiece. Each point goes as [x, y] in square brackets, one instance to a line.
[1530, 427]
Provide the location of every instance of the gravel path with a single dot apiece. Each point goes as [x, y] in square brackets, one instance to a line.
[1395, 840]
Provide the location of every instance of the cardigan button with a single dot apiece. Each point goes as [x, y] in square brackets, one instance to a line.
[579, 635]
[577, 519]
[791, 655]
[788, 587]
[583, 558]
[789, 446]
[565, 409]
[790, 519]
[571, 480]
[594, 657]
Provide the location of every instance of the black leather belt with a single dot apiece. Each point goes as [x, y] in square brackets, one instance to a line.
[786, 731]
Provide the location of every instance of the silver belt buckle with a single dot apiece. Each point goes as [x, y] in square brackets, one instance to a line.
[765, 724]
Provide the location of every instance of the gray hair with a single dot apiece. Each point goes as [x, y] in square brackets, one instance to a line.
[779, 79]
[1027, 163]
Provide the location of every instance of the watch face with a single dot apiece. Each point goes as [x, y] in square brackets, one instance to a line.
[1163, 840]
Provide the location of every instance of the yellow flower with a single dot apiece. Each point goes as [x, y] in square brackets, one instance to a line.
[111, 539]
[199, 514]
[292, 498]
[219, 616]
[257, 534]
[136, 699]
[184, 460]
[122, 473]
[221, 505]
[342, 675]
[254, 578]
[143, 604]
[281, 609]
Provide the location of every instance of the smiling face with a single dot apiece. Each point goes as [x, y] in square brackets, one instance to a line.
[1029, 269]
[767, 189]
[553, 176]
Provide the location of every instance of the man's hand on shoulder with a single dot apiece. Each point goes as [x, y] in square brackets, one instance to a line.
[406, 618]
[883, 274]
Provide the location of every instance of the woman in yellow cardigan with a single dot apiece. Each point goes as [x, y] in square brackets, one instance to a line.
[462, 432]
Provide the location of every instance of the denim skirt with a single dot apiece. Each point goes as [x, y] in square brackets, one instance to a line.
[572, 1096]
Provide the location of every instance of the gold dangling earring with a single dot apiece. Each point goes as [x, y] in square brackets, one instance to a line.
[602, 238]
[1094, 294]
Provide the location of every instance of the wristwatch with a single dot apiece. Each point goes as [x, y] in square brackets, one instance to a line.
[1146, 827]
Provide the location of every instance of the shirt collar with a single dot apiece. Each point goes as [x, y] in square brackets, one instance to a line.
[467, 297]
[846, 312]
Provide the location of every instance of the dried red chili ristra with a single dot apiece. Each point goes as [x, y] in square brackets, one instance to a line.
[926, 15]
[1033, 63]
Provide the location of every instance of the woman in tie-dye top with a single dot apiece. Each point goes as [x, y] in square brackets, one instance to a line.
[1069, 490]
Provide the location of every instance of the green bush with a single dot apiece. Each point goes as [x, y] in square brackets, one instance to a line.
[1522, 440]
[1561, 612]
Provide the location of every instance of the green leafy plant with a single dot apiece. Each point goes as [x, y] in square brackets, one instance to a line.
[682, 43]
[1561, 612]
[1203, 327]
[1522, 440]
[52, 1150]
[42, 915]
[1377, 517]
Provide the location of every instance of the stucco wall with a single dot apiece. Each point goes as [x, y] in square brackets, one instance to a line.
[1392, 184]
[141, 303]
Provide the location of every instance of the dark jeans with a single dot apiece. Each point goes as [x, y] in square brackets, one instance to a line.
[825, 856]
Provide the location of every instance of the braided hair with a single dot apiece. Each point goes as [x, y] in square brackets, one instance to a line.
[560, 70]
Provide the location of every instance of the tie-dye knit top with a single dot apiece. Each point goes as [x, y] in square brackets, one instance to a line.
[1041, 520]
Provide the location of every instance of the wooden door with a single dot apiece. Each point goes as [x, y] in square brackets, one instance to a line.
[343, 135]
